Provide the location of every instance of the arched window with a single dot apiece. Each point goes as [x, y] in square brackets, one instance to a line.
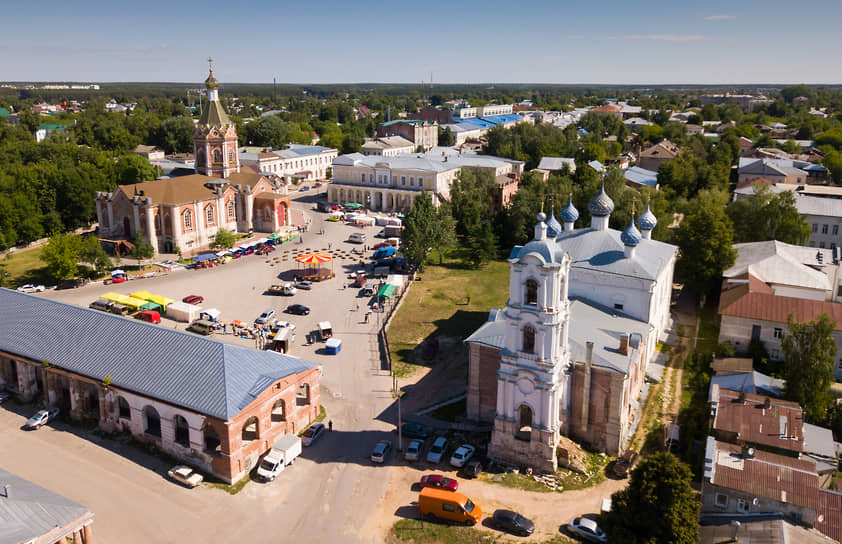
[524, 423]
[200, 157]
[217, 155]
[124, 409]
[250, 430]
[230, 209]
[182, 431]
[151, 421]
[531, 292]
[188, 220]
[279, 412]
[303, 396]
[212, 442]
[529, 339]
[230, 155]
[209, 214]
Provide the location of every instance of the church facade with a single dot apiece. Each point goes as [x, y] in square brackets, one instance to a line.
[186, 212]
[568, 354]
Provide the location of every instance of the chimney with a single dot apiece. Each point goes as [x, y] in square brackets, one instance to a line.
[624, 343]
[748, 453]
[586, 389]
[6, 489]
[767, 403]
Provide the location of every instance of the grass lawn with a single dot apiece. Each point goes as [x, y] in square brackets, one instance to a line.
[449, 300]
[25, 266]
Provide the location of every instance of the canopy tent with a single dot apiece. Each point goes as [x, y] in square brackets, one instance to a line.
[353, 205]
[130, 302]
[163, 302]
[261, 240]
[118, 272]
[222, 253]
[396, 279]
[275, 236]
[314, 258]
[387, 291]
[204, 257]
[210, 314]
[313, 270]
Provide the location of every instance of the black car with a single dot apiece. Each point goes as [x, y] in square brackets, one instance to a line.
[72, 283]
[414, 430]
[298, 309]
[513, 522]
[625, 463]
[471, 469]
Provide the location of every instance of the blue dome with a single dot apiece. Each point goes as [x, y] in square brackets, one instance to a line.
[553, 226]
[570, 214]
[647, 220]
[631, 236]
[601, 205]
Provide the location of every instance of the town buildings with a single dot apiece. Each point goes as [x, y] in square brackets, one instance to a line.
[568, 353]
[388, 146]
[31, 514]
[295, 163]
[186, 212]
[214, 405]
[653, 157]
[424, 134]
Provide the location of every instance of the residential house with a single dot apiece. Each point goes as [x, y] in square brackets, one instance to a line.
[653, 157]
[421, 133]
[295, 163]
[557, 164]
[388, 146]
[637, 177]
[150, 152]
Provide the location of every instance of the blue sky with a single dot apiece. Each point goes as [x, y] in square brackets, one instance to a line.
[544, 41]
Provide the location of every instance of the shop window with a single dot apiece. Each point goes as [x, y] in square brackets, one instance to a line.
[529, 339]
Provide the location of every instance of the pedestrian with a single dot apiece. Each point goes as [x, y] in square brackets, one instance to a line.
[330, 425]
[225, 328]
[367, 313]
[330, 245]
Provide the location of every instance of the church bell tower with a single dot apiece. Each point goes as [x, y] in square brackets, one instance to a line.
[215, 137]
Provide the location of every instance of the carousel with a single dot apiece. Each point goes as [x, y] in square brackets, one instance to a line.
[310, 267]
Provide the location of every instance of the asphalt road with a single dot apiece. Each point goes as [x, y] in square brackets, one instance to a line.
[330, 494]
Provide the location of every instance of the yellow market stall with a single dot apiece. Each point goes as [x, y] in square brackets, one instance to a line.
[161, 301]
[132, 303]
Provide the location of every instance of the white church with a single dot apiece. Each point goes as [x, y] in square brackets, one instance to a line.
[568, 353]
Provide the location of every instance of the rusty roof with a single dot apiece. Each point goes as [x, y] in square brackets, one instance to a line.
[780, 426]
[742, 302]
[732, 365]
[184, 189]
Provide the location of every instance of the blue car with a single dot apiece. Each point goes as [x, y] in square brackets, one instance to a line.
[414, 430]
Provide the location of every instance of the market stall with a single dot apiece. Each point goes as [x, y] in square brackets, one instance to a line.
[309, 267]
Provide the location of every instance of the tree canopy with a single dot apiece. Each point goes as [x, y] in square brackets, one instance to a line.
[705, 238]
[809, 352]
[768, 216]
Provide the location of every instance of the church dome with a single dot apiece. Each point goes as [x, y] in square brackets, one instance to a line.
[647, 220]
[601, 205]
[570, 214]
[553, 226]
[211, 82]
[631, 236]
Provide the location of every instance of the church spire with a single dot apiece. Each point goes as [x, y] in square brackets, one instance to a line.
[213, 115]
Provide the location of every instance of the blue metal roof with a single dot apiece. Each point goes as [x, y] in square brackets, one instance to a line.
[641, 176]
[476, 122]
[181, 368]
[503, 119]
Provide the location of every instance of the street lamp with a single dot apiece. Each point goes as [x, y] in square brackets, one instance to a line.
[367, 202]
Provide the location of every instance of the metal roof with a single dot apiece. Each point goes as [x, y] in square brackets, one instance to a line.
[592, 323]
[641, 176]
[779, 263]
[28, 511]
[181, 368]
[556, 163]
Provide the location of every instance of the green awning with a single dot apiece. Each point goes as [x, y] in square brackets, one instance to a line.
[274, 236]
[353, 205]
[387, 291]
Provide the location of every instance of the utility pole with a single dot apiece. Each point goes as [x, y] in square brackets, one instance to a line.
[398, 395]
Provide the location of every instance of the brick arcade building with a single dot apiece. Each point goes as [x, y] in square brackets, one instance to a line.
[214, 405]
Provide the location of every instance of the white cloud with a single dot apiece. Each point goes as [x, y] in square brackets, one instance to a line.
[667, 37]
[720, 17]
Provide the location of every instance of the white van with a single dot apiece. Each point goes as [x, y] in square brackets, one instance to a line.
[357, 238]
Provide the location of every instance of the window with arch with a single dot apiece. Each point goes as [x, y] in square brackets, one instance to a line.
[279, 411]
[217, 155]
[524, 422]
[187, 217]
[151, 421]
[200, 157]
[531, 295]
[250, 430]
[123, 409]
[230, 155]
[529, 339]
[209, 214]
[229, 209]
[212, 442]
[182, 431]
[302, 398]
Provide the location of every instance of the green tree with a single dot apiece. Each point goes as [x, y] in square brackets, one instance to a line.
[445, 137]
[135, 169]
[142, 248]
[61, 254]
[768, 216]
[705, 238]
[482, 247]
[419, 231]
[91, 252]
[809, 352]
[444, 235]
[224, 239]
[471, 199]
[658, 507]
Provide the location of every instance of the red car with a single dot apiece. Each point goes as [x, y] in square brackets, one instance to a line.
[193, 299]
[265, 250]
[440, 482]
[150, 316]
[382, 244]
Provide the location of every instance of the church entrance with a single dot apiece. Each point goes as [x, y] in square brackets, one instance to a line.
[524, 423]
[127, 230]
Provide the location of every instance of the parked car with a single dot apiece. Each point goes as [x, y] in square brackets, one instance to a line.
[298, 309]
[472, 468]
[193, 299]
[30, 288]
[72, 283]
[42, 417]
[439, 481]
[185, 475]
[265, 317]
[278, 324]
[414, 430]
[313, 433]
[150, 316]
[437, 450]
[413, 450]
[381, 451]
[268, 248]
[461, 455]
[625, 463]
[306, 285]
[513, 522]
[587, 529]
[304, 188]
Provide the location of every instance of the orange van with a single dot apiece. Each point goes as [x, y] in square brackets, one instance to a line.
[448, 505]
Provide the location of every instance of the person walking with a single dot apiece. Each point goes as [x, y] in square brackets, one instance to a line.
[330, 425]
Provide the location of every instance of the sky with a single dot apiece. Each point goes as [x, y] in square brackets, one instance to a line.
[396, 41]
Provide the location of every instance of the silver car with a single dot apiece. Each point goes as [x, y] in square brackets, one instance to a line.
[312, 433]
[41, 418]
[437, 450]
[413, 450]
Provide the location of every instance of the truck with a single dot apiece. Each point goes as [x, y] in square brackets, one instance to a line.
[286, 289]
[283, 453]
[384, 252]
[390, 231]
